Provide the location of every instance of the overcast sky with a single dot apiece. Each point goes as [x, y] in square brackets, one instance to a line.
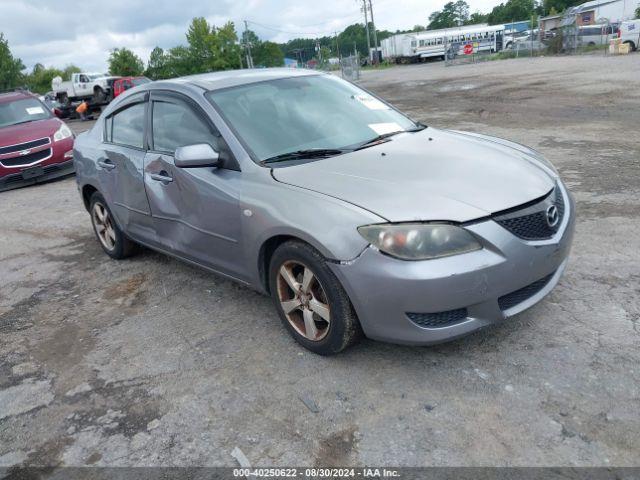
[60, 32]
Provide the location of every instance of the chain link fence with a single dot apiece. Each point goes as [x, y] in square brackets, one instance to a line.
[569, 40]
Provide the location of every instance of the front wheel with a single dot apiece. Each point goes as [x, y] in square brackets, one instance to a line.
[311, 303]
[112, 240]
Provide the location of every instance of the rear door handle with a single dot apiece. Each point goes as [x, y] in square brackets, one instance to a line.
[163, 177]
[106, 164]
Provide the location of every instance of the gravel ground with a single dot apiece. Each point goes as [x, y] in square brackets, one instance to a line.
[151, 362]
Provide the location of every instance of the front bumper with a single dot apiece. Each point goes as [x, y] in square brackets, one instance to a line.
[59, 164]
[506, 277]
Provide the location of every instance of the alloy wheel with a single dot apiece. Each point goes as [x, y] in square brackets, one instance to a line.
[303, 300]
[104, 226]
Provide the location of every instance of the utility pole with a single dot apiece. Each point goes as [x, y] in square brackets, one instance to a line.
[375, 34]
[337, 45]
[366, 25]
[247, 45]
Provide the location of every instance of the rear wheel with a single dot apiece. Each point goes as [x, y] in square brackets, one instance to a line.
[312, 304]
[632, 47]
[112, 240]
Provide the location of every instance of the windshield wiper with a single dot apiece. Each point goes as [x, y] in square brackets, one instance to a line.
[309, 153]
[384, 136]
[20, 123]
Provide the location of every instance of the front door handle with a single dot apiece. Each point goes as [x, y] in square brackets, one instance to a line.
[106, 164]
[163, 177]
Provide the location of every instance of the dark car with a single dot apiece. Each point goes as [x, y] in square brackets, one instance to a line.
[34, 145]
[125, 83]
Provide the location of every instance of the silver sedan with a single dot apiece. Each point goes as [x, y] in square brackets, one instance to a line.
[355, 219]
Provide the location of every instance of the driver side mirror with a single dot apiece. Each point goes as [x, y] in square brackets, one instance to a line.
[198, 155]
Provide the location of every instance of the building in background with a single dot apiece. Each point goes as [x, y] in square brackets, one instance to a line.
[549, 23]
[600, 11]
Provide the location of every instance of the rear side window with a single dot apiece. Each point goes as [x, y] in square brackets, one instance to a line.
[126, 127]
[176, 125]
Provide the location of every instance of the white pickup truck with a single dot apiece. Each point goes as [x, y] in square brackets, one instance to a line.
[96, 87]
[629, 32]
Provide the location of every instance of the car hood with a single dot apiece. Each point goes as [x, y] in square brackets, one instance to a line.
[429, 175]
[26, 132]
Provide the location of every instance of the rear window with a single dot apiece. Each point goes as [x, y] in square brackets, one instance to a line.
[22, 111]
[126, 127]
[140, 81]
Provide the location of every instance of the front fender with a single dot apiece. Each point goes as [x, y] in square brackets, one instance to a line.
[270, 209]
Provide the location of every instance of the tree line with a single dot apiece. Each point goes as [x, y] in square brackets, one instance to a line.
[209, 48]
[455, 13]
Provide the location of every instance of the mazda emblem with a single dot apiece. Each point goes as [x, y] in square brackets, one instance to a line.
[553, 216]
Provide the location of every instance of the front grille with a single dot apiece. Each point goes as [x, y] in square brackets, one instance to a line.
[438, 319]
[26, 159]
[529, 222]
[512, 299]
[24, 146]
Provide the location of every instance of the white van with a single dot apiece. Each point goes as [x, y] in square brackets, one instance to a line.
[629, 32]
[589, 35]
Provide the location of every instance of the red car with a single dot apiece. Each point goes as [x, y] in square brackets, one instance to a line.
[34, 145]
[123, 84]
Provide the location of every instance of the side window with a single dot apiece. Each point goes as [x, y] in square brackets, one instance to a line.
[126, 127]
[84, 79]
[176, 125]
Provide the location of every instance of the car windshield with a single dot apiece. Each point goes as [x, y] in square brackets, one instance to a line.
[316, 112]
[95, 76]
[22, 111]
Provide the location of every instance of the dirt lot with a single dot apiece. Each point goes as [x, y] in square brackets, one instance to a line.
[152, 362]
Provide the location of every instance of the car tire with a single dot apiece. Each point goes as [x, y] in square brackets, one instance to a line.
[112, 240]
[336, 326]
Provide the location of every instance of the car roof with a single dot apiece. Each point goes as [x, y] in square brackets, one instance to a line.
[233, 78]
[15, 95]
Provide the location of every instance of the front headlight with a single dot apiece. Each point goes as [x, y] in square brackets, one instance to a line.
[62, 133]
[419, 241]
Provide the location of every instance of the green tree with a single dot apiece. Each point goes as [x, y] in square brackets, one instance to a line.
[125, 63]
[212, 48]
[158, 65]
[476, 18]
[638, 12]
[10, 67]
[39, 80]
[452, 14]
[228, 50]
[180, 62]
[268, 54]
[512, 11]
[70, 70]
[558, 5]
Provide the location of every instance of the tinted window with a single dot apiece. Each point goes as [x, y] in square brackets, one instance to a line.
[128, 126]
[176, 125]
